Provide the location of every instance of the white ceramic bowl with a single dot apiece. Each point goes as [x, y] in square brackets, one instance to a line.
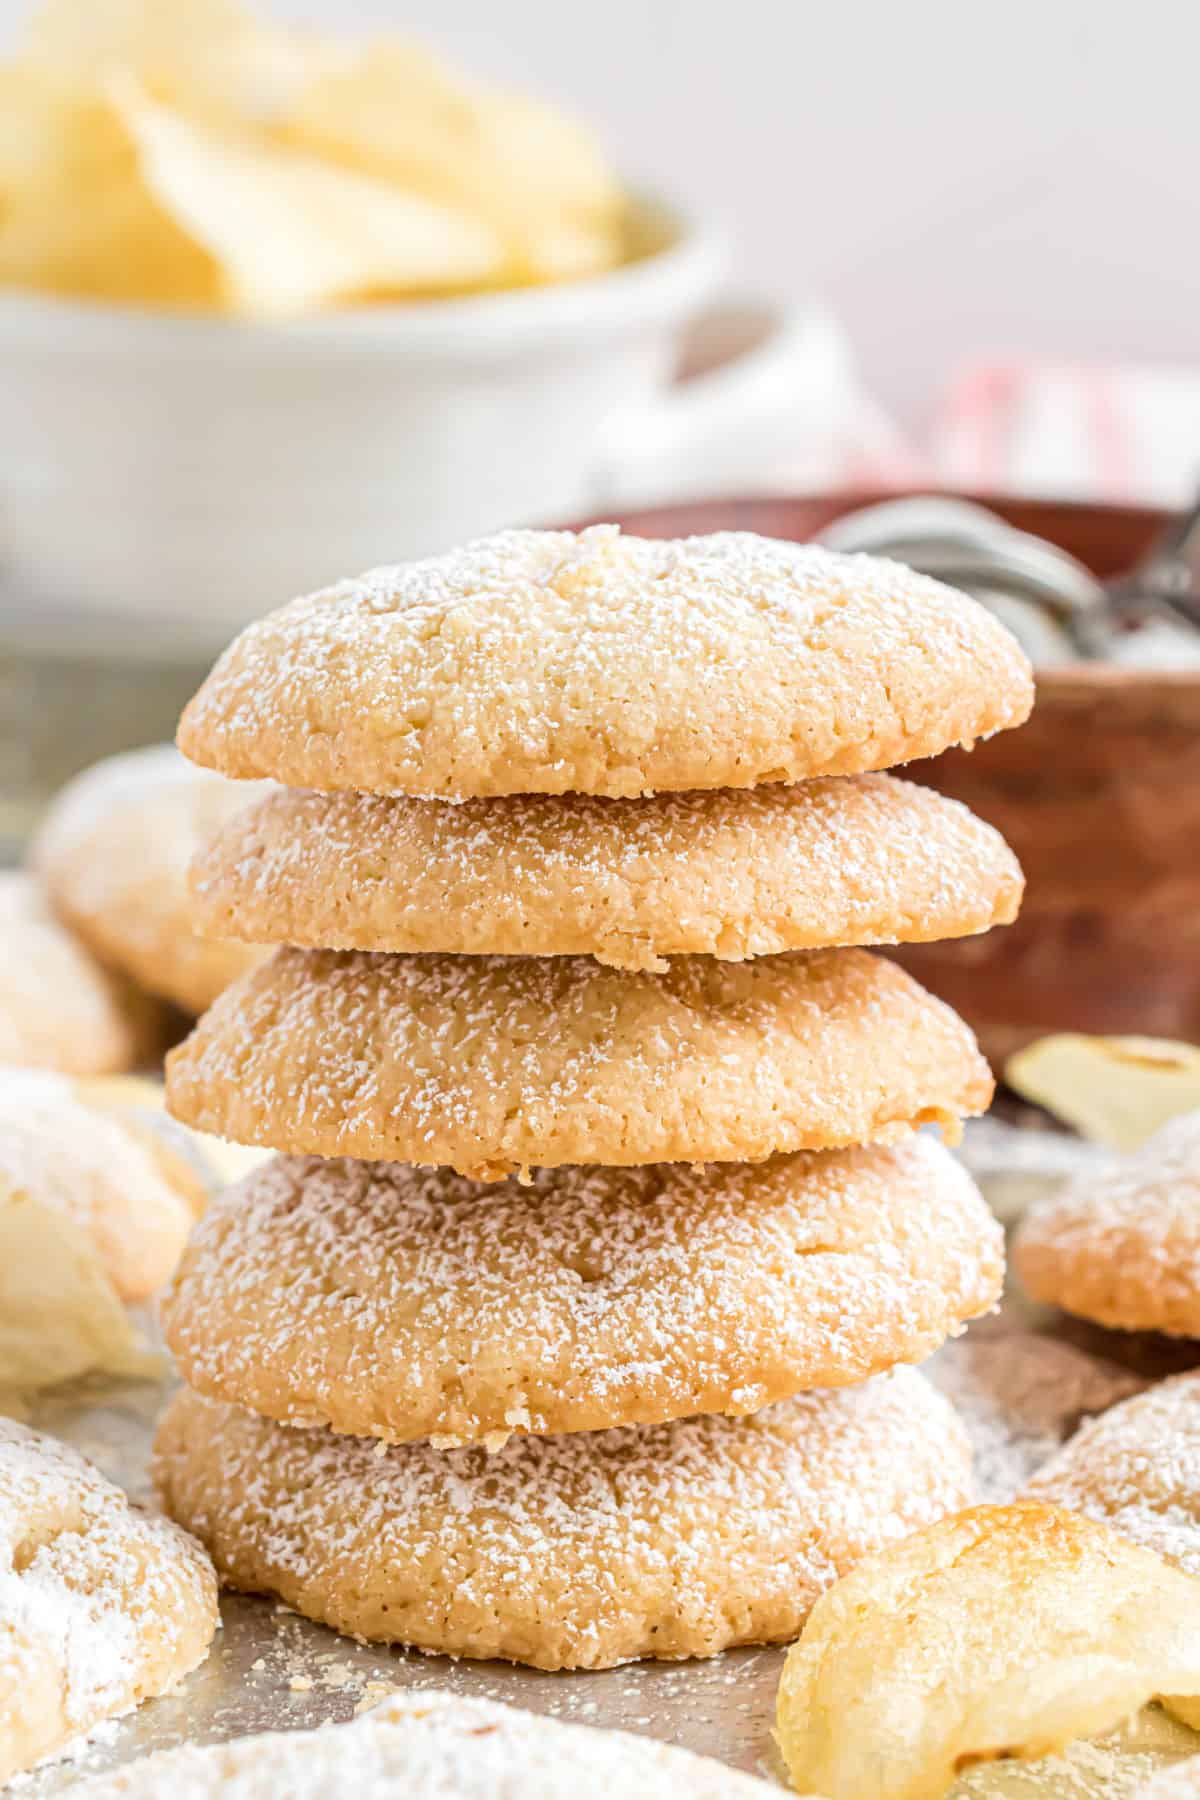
[196, 471]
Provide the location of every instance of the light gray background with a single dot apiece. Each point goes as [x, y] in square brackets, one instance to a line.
[958, 178]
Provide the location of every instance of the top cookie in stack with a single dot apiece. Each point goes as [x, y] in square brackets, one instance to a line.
[632, 946]
[544, 662]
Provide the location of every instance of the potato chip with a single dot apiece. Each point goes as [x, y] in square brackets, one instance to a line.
[196, 1165]
[392, 111]
[59, 1312]
[1114, 1090]
[1005, 1631]
[208, 54]
[288, 233]
[79, 218]
[30, 113]
[84, 38]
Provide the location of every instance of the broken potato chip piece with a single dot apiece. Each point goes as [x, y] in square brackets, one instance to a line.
[1004, 1631]
[301, 234]
[1114, 1090]
[392, 110]
[94, 1163]
[60, 1314]
[98, 1190]
[210, 56]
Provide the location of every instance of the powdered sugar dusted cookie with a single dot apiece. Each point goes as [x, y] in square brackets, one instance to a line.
[545, 662]
[59, 1009]
[865, 860]
[568, 1552]
[100, 1605]
[1137, 1467]
[113, 854]
[492, 1064]
[429, 1746]
[495, 1064]
[1123, 1247]
[385, 1300]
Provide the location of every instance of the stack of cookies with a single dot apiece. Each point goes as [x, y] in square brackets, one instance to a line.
[565, 1328]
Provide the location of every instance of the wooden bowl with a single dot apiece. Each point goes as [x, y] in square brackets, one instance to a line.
[1099, 795]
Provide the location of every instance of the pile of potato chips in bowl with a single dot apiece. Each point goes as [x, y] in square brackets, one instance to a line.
[184, 154]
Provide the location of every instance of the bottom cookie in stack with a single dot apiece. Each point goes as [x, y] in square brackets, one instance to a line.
[582, 1551]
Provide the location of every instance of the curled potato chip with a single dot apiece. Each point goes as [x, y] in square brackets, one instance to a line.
[1004, 1631]
[1137, 1467]
[60, 1315]
[1116, 1090]
[391, 110]
[95, 1164]
[195, 1164]
[211, 55]
[288, 233]
[76, 215]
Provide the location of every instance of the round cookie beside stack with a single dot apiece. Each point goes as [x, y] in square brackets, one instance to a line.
[60, 1009]
[1122, 1246]
[112, 855]
[640, 1399]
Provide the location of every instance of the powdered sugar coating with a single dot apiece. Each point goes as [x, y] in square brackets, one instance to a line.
[100, 1605]
[389, 1301]
[433, 1746]
[113, 854]
[1123, 1247]
[59, 1009]
[1138, 1468]
[859, 860]
[545, 662]
[493, 1064]
[1179, 1782]
[568, 1552]
[59, 1152]
[1021, 1395]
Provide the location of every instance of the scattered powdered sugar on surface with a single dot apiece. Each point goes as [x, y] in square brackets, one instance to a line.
[96, 1599]
[1017, 1165]
[1020, 1396]
[1138, 1468]
[382, 1297]
[1115, 1767]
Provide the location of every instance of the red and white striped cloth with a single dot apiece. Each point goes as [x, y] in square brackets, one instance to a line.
[1071, 431]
